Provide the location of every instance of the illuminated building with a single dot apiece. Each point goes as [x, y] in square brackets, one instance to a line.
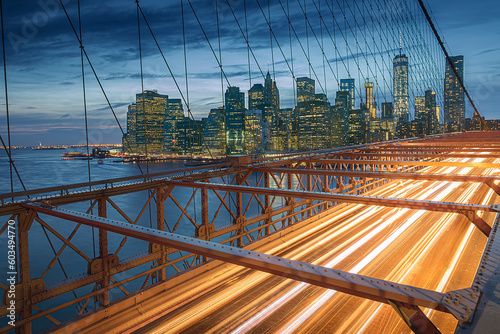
[370, 103]
[454, 99]
[234, 118]
[266, 98]
[256, 97]
[149, 113]
[213, 133]
[305, 90]
[420, 113]
[173, 115]
[357, 133]
[432, 113]
[340, 119]
[371, 124]
[129, 141]
[400, 89]
[254, 131]
[189, 136]
[313, 116]
[347, 85]
[280, 131]
[387, 120]
[427, 113]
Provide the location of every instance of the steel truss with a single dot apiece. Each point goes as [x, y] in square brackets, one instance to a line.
[233, 204]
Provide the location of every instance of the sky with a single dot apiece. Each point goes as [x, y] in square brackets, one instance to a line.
[44, 69]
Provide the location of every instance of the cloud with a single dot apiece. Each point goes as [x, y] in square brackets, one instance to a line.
[487, 51]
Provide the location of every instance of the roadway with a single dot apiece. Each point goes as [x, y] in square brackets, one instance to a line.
[432, 250]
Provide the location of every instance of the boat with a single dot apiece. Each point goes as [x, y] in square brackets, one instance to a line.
[76, 156]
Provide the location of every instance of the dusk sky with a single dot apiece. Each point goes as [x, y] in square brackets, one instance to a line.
[44, 67]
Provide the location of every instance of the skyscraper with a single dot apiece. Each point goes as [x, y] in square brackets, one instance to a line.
[271, 95]
[340, 119]
[387, 120]
[256, 97]
[370, 104]
[266, 99]
[420, 114]
[401, 105]
[149, 122]
[454, 99]
[254, 131]
[235, 114]
[347, 85]
[305, 89]
[432, 112]
[214, 131]
[129, 145]
[312, 117]
[173, 115]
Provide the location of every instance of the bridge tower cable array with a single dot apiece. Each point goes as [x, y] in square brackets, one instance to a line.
[450, 63]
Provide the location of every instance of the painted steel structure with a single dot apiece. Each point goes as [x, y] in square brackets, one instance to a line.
[223, 212]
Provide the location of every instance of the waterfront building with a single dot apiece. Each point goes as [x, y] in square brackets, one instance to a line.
[147, 127]
[189, 139]
[129, 140]
[454, 97]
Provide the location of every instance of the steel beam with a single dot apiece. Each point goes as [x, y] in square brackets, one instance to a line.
[486, 285]
[427, 149]
[417, 155]
[384, 175]
[358, 199]
[358, 285]
[405, 163]
[103, 252]
[413, 316]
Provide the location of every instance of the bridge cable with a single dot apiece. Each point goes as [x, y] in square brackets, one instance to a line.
[450, 63]
[11, 162]
[241, 107]
[144, 125]
[285, 58]
[171, 73]
[5, 147]
[96, 76]
[143, 100]
[86, 118]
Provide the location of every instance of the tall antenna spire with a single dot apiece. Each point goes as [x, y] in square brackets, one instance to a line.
[400, 43]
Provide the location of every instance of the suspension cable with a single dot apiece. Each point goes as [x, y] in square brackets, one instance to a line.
[11, 162]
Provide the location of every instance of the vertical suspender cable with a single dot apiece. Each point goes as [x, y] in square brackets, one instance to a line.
[85, 112]
[142, 89]
[6, 102]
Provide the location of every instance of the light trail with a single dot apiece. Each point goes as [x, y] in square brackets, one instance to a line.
[362, 238]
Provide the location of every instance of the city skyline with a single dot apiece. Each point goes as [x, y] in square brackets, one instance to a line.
[61, 118]
[157, 123]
